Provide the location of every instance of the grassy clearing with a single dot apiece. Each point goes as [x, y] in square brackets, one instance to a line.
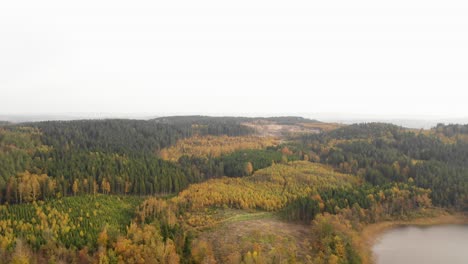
[249, 217]
[323, 126]
[261, 234]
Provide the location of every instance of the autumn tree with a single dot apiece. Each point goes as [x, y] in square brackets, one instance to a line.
[105, 186]
[95, 187]
[248, 168]
[75, 187]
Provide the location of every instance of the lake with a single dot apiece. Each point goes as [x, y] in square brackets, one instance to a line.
[428, 245]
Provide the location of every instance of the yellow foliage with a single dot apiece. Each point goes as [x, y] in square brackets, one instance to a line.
[268, 189]
[214, 146]
[202, 252]
[145, 245]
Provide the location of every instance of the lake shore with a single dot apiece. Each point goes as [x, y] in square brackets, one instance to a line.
[373, 232]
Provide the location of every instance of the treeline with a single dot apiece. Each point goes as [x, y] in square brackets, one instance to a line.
[110, 136]
[384, 153]
[368, 203]
[90, 173]
[96, 173]
[125, 136]
[206, 125]
[451, 129]
[205, 120]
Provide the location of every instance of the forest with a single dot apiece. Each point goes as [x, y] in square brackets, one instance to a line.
[198, 189]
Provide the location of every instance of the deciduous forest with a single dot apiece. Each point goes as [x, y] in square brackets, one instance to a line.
[197, 189]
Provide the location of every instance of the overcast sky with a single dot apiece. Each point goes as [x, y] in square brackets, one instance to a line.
[388, 58]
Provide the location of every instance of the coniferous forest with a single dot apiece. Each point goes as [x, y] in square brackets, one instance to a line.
[197, 189]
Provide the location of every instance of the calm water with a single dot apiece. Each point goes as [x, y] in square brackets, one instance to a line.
[446, 244]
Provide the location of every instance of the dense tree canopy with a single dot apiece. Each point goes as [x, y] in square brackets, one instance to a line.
[383, 153]
[77, 191]
[121, 155]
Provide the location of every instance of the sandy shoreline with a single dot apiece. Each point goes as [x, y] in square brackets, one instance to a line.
[371, 233]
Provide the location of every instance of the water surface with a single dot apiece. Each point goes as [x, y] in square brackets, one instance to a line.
[427, 245]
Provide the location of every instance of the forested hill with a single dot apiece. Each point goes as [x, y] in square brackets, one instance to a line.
[167, 190]
[110, 136]
[125, 154]
[204, 125]
[122, 154]
[204, 120]
[131, 136]
[452, 129]
[384, 153]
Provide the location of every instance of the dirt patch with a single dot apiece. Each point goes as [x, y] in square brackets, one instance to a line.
[272, 129]
[269, 238]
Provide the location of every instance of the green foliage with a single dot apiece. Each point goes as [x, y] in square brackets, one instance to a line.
[268, 189]
[368, 203]
[16, 146]
[145, 175]
[386, 172]
[206, 125]
[132, 137]
[365, 131]
[302, 209]
[451, 129]
[73, 221]
[84, 153]
[234, 163]
[335, 240]
[384, 153]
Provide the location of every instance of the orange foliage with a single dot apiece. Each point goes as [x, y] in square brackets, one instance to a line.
[214, 146]
[268, 189]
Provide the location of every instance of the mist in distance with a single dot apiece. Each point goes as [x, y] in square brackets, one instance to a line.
[341, 61]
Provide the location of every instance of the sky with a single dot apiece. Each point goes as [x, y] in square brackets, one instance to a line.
[382, 58]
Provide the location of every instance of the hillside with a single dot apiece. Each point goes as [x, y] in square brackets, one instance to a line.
[198, 189]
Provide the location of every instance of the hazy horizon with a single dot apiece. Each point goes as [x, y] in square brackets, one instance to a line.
[425, 122]
[311, 115]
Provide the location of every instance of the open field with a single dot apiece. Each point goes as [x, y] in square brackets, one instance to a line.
[266, 238]
[273, 129]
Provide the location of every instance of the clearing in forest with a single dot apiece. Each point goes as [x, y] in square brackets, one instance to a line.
[268, 238]
[214, 146]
